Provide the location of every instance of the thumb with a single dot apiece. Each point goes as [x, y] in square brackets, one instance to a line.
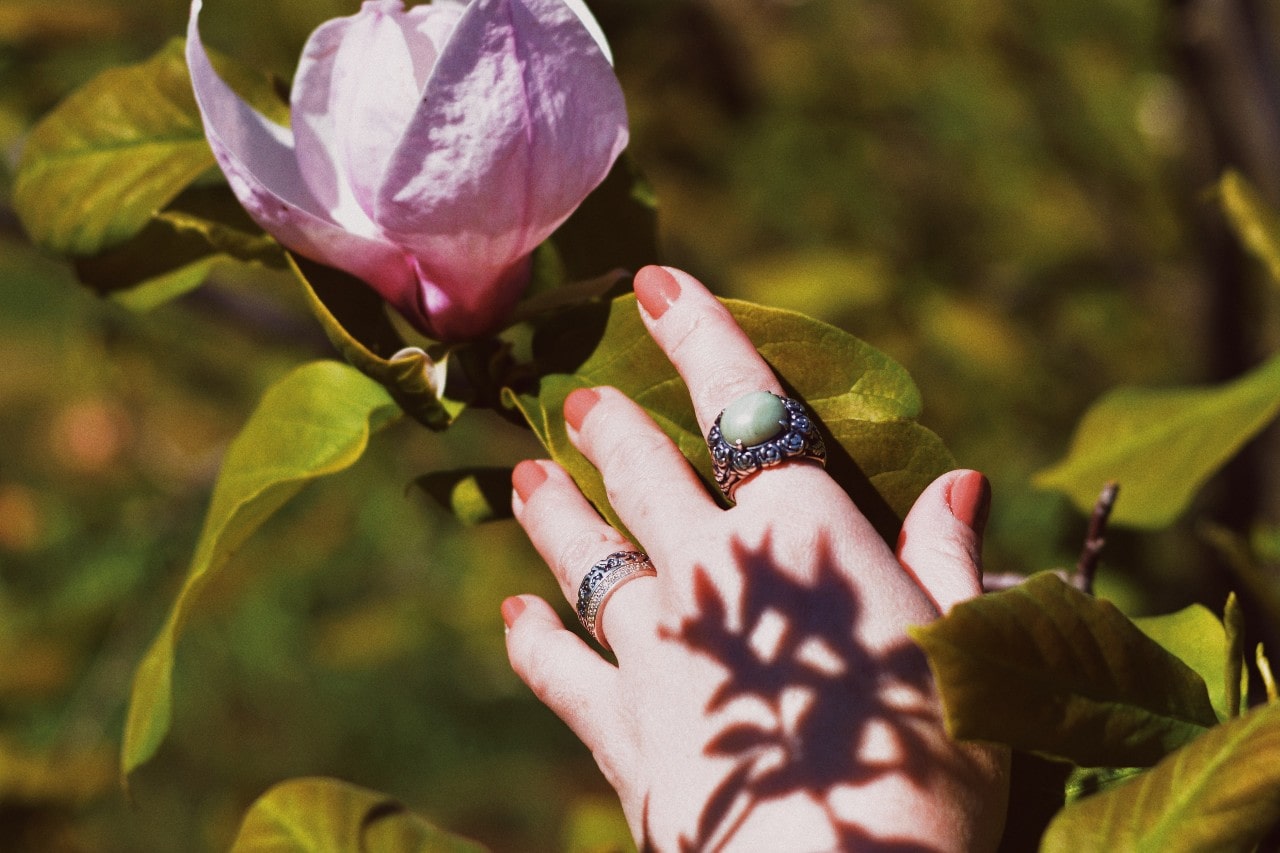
[941, 539]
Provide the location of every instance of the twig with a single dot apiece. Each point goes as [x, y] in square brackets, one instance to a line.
[1095, 539]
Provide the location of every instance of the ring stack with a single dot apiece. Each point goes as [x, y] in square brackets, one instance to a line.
[602, 580]
[760, 430]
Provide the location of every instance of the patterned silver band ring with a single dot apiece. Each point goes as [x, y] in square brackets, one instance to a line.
[602, 580]
[761, 430]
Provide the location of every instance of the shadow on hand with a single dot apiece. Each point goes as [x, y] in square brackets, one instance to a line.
[824, 690]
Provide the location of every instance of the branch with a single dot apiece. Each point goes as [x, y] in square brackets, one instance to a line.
[1095, 539]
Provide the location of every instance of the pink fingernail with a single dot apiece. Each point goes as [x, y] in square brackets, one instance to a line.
[511, 610]
[656, 289]
[526, 477]
[578, 404]
[970, 500]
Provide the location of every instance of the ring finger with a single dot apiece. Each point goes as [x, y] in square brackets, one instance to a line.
[572, 537]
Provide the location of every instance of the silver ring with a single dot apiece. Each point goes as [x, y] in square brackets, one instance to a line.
[797, 437]
[602, 580]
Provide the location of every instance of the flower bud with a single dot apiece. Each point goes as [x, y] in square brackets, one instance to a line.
[430, 149]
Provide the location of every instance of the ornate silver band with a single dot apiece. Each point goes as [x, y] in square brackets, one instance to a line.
[733, 463]
[602, 580]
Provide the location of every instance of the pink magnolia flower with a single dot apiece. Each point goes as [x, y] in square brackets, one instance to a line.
[431, 149]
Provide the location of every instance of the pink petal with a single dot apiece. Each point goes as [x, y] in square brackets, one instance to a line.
[258, 159]
[433, 22]
[520, 120]
[357, 96]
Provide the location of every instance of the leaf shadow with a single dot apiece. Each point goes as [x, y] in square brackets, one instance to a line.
[852, 695]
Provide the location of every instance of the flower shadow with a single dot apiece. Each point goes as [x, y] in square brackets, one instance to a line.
[790, 644]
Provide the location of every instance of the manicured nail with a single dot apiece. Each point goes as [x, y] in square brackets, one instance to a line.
[656, 289]
[526, 477]
[970, 500]
[578, 403]
[511, 610]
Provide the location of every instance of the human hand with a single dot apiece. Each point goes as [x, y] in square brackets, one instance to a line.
[766, 696]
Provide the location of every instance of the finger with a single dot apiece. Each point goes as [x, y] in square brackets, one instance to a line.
[568, 677]
[717, 361]
[572, 537]
[710, 351]
[648, 481]
[941, 539]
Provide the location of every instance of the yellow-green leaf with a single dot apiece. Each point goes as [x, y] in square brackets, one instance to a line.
[1196, 637]
[315, 421]
[112, 155]
[97, 168]
[318, 815]
[472, 495]
[1220, 793]
[1045, 668]
[1254, 222]
[1162, 445]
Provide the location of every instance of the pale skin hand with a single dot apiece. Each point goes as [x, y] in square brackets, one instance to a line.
[766, 696]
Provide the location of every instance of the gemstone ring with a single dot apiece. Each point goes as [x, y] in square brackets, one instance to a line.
[760, 430]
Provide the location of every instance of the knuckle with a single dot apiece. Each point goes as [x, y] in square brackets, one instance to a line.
[635, 454]
[580, 552]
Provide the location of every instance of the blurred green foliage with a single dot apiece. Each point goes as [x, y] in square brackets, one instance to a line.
[1003, 196]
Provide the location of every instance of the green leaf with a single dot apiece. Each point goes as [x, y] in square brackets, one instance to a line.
[318, 815]
[174, 253]
[315, 421]
[473, 495]
[1254, 222]
[97, 168]
[1162, 445]
[1197, 638]
[1220, 793]
[865, 402]
[1045, 668]
[355, 320]
[112, 155]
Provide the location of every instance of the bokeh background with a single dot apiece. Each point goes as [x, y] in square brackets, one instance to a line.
[1011, 197]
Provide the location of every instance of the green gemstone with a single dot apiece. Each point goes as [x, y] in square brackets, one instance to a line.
[753, 419]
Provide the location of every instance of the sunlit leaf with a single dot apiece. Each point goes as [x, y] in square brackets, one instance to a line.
[112, 155]
[318, 815]
[1220, 793]
[866, 403]
[1196, 637]
[97, 168]
[473, 495]
[1256, 224]
[1049, 669]
[315, 421]
[1162, 445]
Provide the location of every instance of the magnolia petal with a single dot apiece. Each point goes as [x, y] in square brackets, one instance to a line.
[373, 94]
[258, 160]
[433, 22]
[313, 129]
[589, 21]
[462, 308]
[521, 118]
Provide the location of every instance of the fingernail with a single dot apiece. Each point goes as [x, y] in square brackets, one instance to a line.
[656, 289]
[578, 403]
[511, 610]
[970, 500]
[526, 477]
